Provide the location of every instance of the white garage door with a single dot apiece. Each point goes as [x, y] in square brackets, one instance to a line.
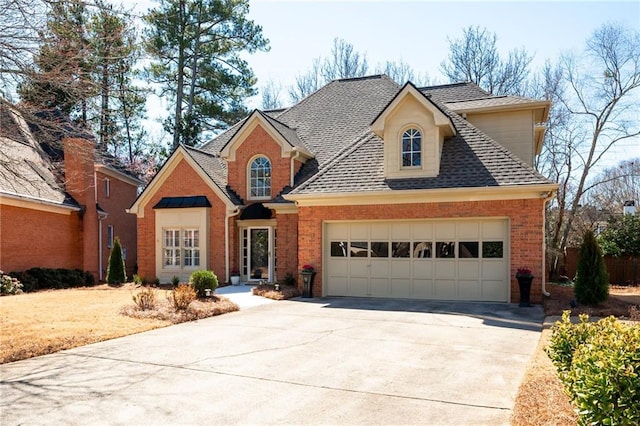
[439, 259]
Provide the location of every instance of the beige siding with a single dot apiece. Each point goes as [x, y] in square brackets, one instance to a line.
[513, 130]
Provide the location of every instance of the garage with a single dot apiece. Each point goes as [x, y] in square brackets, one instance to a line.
[434, 259]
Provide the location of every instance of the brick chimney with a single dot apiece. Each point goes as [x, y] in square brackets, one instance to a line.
[79, 158]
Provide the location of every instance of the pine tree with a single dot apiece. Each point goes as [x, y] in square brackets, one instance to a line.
[196, 48]
[116, 270]
[592, 282]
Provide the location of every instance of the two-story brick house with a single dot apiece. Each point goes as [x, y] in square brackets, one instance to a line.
[387, 191]
[61, 202]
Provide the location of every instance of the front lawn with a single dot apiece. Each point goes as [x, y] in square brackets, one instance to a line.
[44, 322]
[541, 399]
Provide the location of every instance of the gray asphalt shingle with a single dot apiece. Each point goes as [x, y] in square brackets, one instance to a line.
[334, 124]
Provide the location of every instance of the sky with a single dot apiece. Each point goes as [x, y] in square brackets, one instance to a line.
[416, 32]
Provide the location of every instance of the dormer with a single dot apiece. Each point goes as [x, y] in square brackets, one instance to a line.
[413, 129]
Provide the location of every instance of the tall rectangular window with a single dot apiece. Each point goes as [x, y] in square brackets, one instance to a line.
[191, 244]
[109, 236]
[171, 247]
[107, 188]
[181, 247]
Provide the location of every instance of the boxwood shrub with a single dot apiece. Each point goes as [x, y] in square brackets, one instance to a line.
[200, 280]
[48, 278]
[599, 364]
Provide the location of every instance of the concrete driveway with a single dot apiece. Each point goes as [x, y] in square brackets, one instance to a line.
[315, 361]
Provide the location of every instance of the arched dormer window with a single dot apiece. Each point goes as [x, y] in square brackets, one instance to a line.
[411, 148]
[260, 178]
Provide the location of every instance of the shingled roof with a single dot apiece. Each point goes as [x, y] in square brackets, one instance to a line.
[469, 160]
[334, 124]
[26, 171]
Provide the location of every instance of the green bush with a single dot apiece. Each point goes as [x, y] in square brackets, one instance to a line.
[592, 283]
[116, 270]
[46, 278]
[175, 280]
[599, 364]
[9, 285]
[200, 280]
[137, 279]
[289, 279]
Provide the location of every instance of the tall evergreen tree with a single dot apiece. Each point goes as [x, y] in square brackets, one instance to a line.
[121, 104]
[61, 75]
[592, 282]
[195, 46]
[116, 270]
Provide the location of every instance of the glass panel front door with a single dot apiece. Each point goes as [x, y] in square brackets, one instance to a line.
[259, 254]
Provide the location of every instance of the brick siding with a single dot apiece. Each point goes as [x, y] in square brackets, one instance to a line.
[525, 217]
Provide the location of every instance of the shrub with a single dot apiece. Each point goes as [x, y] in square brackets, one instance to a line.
[116, 269]
[289, 279]
[602, 372]
[175, 280]
[182, 296]
[591, 284]
[46, 278]
[137, 279]
[145, 299]
[200, 280]
[9, 285]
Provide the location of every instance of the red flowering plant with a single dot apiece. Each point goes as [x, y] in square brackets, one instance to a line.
[307, 268]
[524, 272]
[235, 272]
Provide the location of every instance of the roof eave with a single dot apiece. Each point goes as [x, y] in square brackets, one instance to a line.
[505, 192]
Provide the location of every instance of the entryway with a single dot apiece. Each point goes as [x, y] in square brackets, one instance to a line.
[257, 250]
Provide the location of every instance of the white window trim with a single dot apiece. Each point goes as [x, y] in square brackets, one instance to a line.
[249, 164]
[110, 236]
[181, 249]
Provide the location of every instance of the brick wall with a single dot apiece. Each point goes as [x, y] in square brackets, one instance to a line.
[183, 182]
[286, 245]
[79, 183]
[121, 196]
[34, 238]
[259, 142]
[526, 230]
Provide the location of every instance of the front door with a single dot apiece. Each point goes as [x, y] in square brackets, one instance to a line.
[259, 254]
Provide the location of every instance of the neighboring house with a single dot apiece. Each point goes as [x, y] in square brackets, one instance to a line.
[61, 202]
[387, 191]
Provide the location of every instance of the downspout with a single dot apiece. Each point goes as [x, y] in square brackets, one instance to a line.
[296, 155]
[548, 197]
[228, 215]
[95, 197]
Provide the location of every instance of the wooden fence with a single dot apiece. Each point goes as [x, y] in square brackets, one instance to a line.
[621, 270]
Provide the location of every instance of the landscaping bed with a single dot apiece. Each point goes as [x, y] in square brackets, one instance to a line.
[269, 291]
[541, 399]
[44, 322]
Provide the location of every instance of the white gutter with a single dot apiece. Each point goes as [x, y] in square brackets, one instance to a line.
[228, 215]
[549, 196]
[296, 155]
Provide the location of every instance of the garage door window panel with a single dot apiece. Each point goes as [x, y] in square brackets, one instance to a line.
[422, 250]
[379, 249]
[401, 250]
[339, 248]
[468, 249]
[492, 249]
[445, 250]
[359, 249]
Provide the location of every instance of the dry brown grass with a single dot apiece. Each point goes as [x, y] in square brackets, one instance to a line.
[541, 399]
[270, 292]
[40, 323]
